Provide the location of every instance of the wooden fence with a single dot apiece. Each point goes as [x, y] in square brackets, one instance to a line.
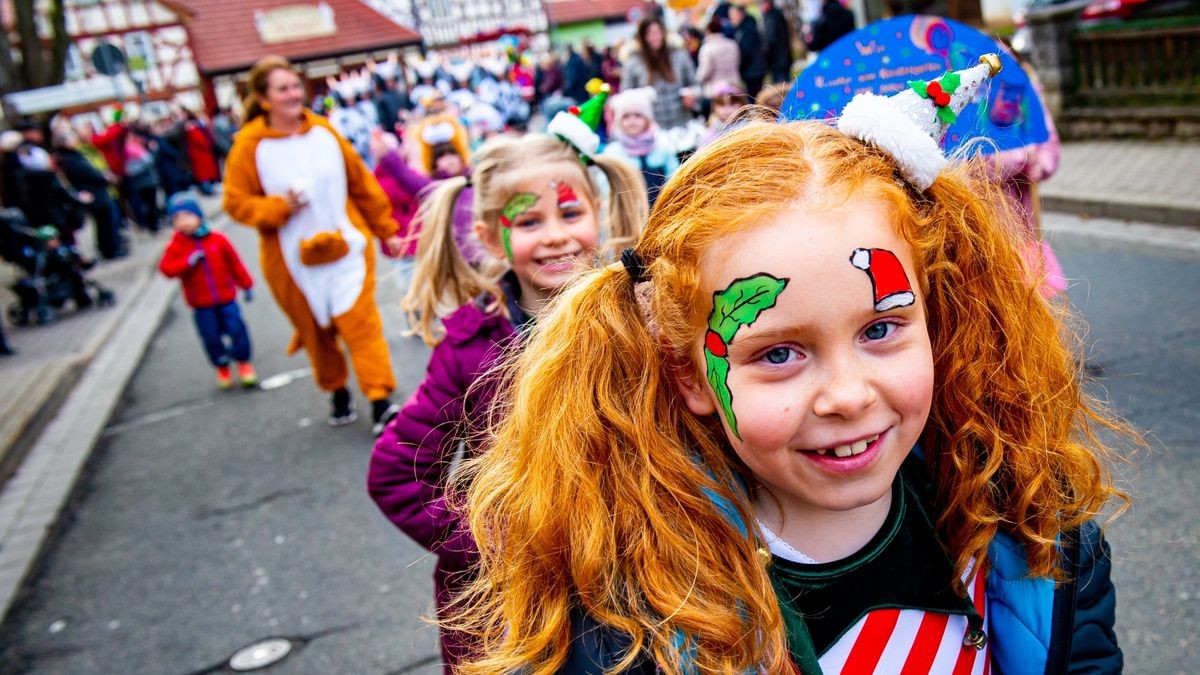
[1138, 66]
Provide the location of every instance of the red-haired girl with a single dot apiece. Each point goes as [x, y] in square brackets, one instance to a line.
[817, 420]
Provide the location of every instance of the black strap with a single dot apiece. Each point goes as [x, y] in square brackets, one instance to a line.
[634, 266]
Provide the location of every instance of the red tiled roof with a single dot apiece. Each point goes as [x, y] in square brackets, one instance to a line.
[572, 11]
[225, 39]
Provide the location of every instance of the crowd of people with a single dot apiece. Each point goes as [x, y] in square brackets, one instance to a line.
[59, 174]
[795, 380]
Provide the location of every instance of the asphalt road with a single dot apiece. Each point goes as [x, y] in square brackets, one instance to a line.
[209, 520]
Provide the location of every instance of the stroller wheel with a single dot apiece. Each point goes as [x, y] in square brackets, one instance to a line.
[18, 315]
[106, 298]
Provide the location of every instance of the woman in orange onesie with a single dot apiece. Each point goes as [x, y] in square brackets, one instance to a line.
[316, 206]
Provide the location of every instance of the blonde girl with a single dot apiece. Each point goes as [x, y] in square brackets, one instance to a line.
[538, 211]
[817, 421]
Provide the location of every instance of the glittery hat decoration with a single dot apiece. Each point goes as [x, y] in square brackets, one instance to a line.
[578, 124]
[910, 124]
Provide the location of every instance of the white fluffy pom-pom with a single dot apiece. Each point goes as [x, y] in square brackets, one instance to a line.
[576, 132]
[880, 121]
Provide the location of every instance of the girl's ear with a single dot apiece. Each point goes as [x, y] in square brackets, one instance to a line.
[694, 390]
[490, 238]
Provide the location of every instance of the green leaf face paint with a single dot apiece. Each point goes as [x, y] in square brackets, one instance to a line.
[738, 305]
[515, 206]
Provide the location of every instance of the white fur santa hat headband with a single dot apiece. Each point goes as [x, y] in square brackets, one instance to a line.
[909, 125]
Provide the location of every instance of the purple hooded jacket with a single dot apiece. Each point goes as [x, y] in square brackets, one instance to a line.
[411, 461]
[420, 186]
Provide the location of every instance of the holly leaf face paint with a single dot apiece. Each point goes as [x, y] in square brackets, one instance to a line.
[738, 305]
[515, 206]
[889, 283]
[718, 378]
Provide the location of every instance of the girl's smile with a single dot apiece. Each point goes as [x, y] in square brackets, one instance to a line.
[846, 457]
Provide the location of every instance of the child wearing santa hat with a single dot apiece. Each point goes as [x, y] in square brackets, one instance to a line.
[815, 420]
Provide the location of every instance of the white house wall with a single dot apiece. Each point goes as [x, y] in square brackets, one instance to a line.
[152, 37]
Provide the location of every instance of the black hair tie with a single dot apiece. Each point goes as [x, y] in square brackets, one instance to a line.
[634, 265]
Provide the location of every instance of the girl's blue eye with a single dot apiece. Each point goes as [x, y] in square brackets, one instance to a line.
[778, 355]
[879, 331]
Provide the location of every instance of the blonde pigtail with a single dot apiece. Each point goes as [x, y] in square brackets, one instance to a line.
[628, 206]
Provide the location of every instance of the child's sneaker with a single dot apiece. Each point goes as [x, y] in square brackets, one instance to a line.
[224, 377]
[382, 412]
[342, 413]
[247, 375]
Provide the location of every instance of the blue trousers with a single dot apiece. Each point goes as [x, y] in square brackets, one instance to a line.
[217, 323]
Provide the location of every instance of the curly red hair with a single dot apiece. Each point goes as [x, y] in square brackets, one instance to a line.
[596, 492]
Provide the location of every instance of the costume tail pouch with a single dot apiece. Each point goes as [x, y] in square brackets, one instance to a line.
[323, 248]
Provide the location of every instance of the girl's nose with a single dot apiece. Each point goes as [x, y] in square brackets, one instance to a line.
[554, 231]
[845, 390]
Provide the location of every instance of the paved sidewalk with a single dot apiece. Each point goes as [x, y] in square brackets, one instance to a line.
[59, 390]
[1141, 181]
[50, 358]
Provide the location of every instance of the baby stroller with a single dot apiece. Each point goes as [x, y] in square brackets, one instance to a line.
[54, 272]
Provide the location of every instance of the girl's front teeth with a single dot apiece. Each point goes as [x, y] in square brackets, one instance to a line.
[850, 450]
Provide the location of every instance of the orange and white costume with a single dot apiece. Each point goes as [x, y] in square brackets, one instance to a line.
[318, 260]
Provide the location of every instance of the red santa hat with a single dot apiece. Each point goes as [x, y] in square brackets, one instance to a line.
[888, 279]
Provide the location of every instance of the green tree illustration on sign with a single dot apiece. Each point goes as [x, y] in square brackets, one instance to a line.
[736, 306]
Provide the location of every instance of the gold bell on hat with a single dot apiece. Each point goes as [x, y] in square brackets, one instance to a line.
[993, 63]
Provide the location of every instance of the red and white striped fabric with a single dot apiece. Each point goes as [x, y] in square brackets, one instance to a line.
[910, 642]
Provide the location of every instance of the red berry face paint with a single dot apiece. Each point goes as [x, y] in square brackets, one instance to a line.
[888, 280]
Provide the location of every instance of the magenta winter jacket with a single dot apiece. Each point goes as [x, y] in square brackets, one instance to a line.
[412, 457]
[420, 186]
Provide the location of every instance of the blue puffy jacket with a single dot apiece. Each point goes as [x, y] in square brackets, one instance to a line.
[1029, 617]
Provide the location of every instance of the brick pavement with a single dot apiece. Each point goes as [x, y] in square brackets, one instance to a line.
[59, 390]
[1144, 181]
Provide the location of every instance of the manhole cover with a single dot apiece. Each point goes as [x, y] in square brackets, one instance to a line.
[260, 654]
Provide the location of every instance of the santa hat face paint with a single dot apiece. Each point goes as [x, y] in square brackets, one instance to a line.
[910, 124]
[888, 280]
[567, 199]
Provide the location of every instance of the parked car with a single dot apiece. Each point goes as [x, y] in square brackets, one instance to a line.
[1126, 10]
[1022, 39]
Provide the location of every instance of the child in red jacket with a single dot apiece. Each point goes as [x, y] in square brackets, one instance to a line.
[211, 272]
